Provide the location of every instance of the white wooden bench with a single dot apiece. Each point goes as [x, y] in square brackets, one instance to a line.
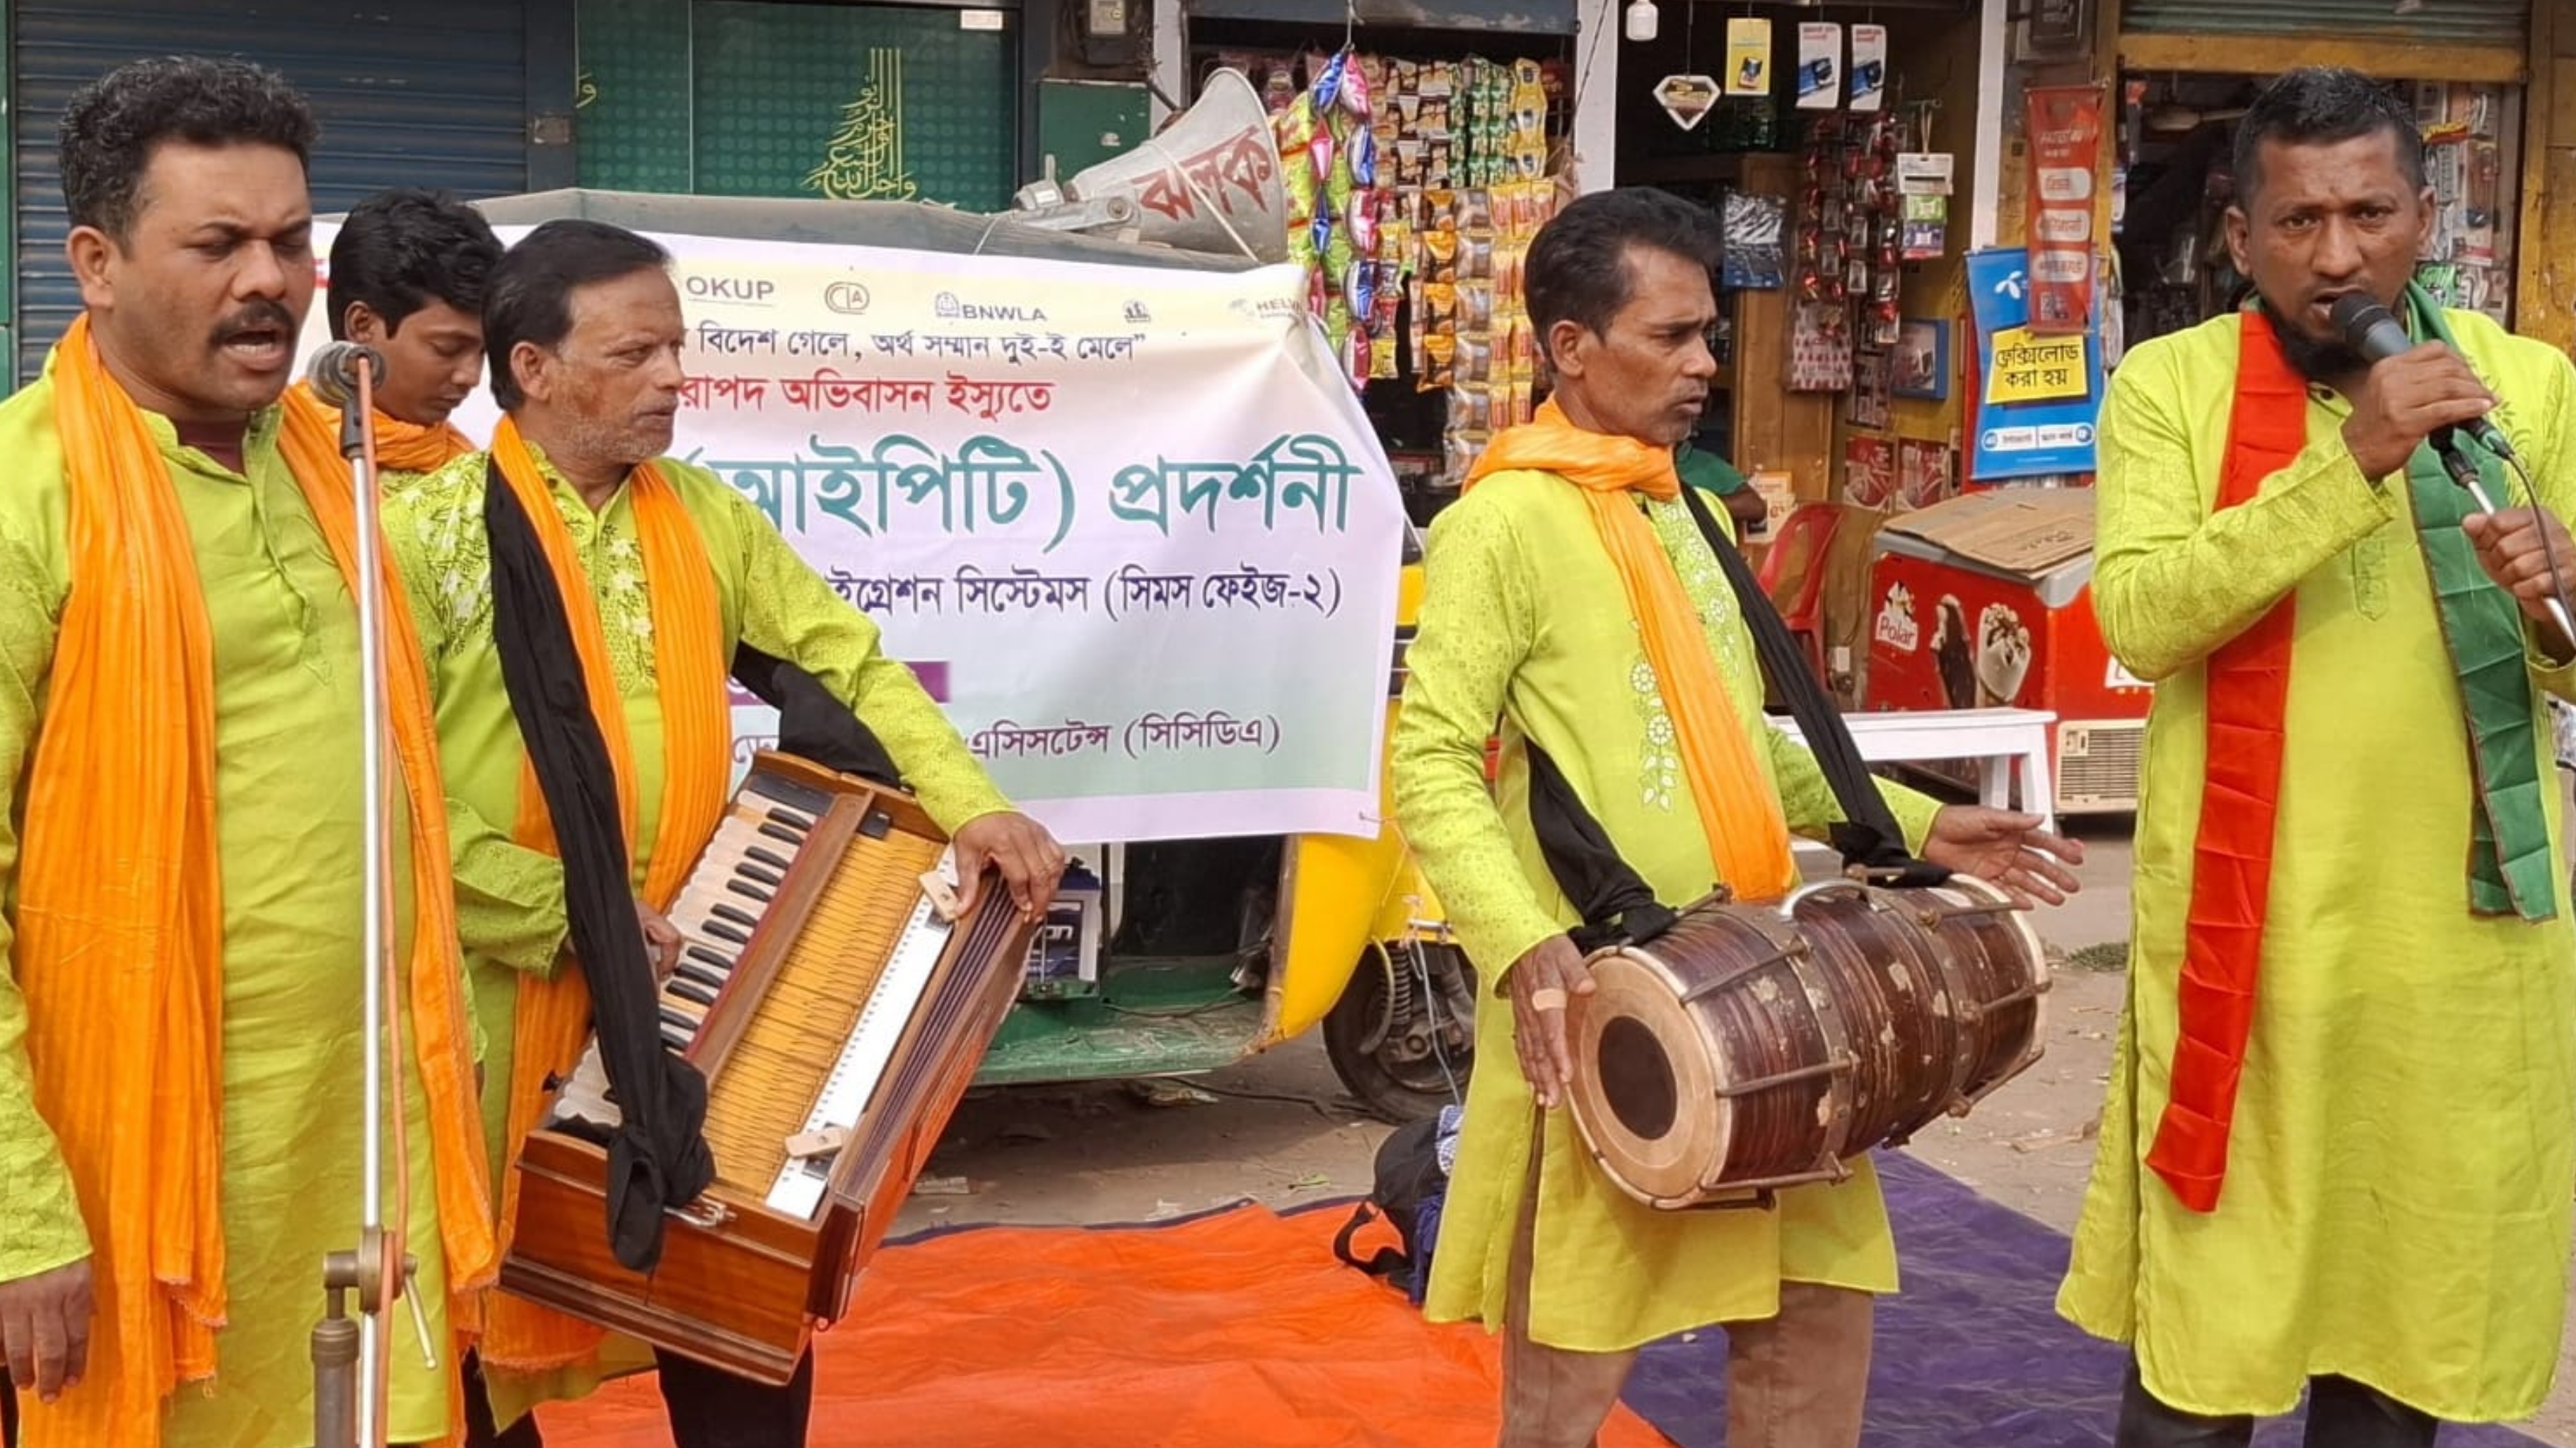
[2008, 745]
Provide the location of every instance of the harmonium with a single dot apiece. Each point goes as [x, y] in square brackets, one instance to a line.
[838, 1015]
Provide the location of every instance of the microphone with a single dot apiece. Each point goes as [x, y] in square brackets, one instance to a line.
[2369, 330]
[333, 372]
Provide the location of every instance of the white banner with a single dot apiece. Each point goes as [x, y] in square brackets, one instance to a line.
[1124, 523]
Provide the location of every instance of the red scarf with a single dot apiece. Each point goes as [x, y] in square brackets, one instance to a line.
[2231, 864]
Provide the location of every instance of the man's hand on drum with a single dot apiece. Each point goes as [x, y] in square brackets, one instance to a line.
[1542, 983]
[2006, 849]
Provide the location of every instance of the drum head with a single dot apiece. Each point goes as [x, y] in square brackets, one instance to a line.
[1646, 1079]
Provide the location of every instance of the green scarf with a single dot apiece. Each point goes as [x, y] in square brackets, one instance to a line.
[2512, 869]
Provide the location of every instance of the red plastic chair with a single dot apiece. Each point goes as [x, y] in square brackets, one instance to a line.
[1793, 573]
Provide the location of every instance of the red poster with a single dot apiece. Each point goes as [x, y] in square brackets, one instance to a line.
[2065, 127]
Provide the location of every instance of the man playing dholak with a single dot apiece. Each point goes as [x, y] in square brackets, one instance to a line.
[180, 743]
[409, 270]
[662, 570]
[1570, 595]
[2342, 1126]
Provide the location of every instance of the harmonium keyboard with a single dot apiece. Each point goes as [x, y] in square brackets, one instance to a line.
[838, 1016]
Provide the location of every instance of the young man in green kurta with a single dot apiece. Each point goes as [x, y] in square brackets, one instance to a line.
[2341, 1127]
[1526, 619]
[584, 331]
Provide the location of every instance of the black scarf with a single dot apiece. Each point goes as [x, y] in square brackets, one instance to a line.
[658, 1157]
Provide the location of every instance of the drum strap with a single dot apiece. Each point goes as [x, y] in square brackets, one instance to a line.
[1872, 845]
[1617, 905]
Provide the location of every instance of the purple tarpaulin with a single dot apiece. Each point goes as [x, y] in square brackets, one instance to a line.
[1972, 1354]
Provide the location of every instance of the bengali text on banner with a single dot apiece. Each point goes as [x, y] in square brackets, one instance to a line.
[1126, 524]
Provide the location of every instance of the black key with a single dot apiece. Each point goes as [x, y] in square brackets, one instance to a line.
[692, 990]
[749, 891]
[762, 875]
[743, 918]
[767, 858]
[722, 962]
[722, 931]
[673, 1020]
[801, 823]
[788, 792]
[781, 832]
[701, 974]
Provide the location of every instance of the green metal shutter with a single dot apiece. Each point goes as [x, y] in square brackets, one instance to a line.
[2433, 22]
[428, 95]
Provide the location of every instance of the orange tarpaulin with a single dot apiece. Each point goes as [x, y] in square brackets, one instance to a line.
[1237, 1330]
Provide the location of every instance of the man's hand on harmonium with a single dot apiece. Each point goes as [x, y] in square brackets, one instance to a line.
[1030, 860]
[661, 941]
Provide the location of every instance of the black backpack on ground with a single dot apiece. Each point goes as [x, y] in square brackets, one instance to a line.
[1408, 1195]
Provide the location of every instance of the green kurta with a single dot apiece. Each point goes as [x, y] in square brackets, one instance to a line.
[1523, 617]
[289, 816]
[2404, 1150]
[510, 909]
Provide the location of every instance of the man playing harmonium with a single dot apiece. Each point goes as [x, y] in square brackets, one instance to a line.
[574, 551]
[409, 270]
[1571, 595]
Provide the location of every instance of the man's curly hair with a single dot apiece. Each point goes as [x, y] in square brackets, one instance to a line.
[114, 123]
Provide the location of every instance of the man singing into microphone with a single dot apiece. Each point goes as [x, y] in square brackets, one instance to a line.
[2341, 1131]
[183, 821]
[408, 272]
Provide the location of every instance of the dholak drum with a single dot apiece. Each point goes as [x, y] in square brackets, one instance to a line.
[1754, 1047]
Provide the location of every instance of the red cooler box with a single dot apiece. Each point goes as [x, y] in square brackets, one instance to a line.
[1984, 601]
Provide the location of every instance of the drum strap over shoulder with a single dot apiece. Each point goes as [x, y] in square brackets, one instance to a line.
[1616, 903]
[1872, 846]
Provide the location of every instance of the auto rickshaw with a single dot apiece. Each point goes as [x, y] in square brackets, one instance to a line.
[1219, 949]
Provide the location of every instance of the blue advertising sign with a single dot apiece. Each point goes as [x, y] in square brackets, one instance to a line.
[2037, 396]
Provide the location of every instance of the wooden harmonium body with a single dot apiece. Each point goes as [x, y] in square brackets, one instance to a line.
[838, 1017]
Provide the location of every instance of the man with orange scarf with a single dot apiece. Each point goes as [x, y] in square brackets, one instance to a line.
[408, 272]
[180, 749]
[2341, 1125]
[1570, 594]
[665, 575]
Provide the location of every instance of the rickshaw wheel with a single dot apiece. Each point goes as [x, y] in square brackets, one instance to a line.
[1398, 1075]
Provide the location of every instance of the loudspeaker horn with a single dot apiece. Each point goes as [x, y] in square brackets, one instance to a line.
[1209, 182]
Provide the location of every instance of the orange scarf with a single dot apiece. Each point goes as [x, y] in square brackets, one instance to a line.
[1748, 838]
[401, 447]
[120, 929]
[690, 669]
[2231, 860]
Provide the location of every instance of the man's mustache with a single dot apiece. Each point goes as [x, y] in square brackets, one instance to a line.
[258, 316]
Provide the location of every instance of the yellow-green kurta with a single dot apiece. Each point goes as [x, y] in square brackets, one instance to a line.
[289, 821]
[2404, 1151]
[510, 907]
[1524, 618]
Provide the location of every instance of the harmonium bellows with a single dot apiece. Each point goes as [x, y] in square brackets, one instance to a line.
[838, 1017]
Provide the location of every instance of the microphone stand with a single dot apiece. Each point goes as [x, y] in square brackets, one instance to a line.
[350, 1390]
